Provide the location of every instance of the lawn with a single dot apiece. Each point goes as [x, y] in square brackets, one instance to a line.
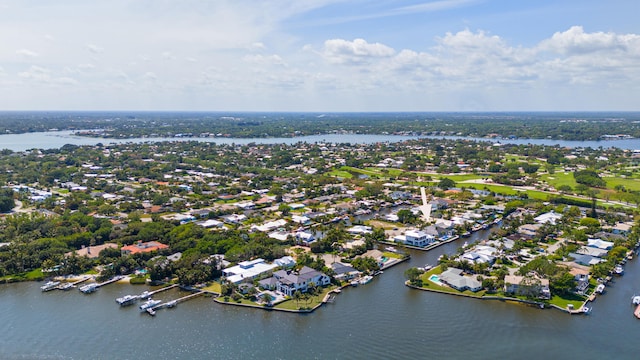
[341, 174]
[390, 254]
[382, 224]
[559, 178]
[308, 304]
[563, 302]
[214, 287]
[629, 184]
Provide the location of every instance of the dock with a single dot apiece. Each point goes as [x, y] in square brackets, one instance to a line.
[110, 281]
[81, 280]
[173, 303]
[148, 294]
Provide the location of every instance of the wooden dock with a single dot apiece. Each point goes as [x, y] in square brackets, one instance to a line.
[110, 281]
[172, 303]
[83, 279]
[151, 293]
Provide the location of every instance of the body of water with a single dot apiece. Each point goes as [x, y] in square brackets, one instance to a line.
[383, 319]
[57, 139]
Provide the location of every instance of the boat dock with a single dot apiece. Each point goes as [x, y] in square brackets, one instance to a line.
[81, 280]
[148, 294]
[110, 281]
[173, 303]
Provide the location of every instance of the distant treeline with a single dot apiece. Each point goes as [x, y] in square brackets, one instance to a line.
[567, 126]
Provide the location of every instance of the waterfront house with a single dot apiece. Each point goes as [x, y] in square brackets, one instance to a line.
[524, 285]
[288, 282]
[143, 247]
[247, 270]
[454, 278]
[344, 272]
[415, 238]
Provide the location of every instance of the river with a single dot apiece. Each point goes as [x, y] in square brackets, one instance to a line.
[57, 139]
[381, 320]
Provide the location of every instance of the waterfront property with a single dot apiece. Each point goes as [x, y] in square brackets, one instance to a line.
[288, 282]
[143, 247]
[247, 270]
[415, 238]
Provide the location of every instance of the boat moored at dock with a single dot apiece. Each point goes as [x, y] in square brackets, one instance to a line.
[149, 304]
[50, 285]
[89, 288]
[66, 286]
[127, 300]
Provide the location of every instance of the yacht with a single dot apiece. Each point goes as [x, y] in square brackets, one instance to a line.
[172, 303]
[635, 300]
[88, 289]
[50, 285]
[144, 295]
[600, 289]
[66, 286]
[126, 300]
[618, 270]
[149, 304]
[366, 279]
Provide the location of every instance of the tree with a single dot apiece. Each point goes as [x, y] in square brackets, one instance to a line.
[563, 284]
[406, 216]
[446, 184]
[414, 276]
[6, 200]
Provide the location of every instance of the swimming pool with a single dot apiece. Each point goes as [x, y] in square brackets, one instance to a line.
[435, 279]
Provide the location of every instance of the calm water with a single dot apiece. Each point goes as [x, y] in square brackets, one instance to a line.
[52, 140]
[383, 319]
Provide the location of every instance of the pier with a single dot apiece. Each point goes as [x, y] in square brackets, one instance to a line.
[148, 294]
[110, 281]
[81, 280]
[173, 303]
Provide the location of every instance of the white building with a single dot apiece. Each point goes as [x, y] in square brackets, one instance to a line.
[415, 238]
[247, 270]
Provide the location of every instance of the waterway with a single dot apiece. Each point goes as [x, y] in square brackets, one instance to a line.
[57, 139]
[381, 320]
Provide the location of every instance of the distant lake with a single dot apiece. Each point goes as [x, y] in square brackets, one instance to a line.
[57, 139]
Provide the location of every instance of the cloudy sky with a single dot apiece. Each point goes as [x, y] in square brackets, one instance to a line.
[320, 55]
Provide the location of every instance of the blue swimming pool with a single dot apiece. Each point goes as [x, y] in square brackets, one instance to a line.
[435, 279]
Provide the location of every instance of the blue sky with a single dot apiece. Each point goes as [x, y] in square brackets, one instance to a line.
[320, 55]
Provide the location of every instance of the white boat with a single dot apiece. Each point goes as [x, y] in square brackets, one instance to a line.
[66, 286]
[144, 295]
[618, 270]
[172, 303]
[149, 304]
[600, 289]
[586, 310]
[50, 285]
[127, 300]
[635, 300]
[88, 289]
[151, 312]
[366, 279]
[354, 283]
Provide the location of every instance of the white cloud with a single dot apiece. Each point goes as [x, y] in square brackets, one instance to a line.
[353, 52]
[94, 48]
[576, 42]
[27, 53]
[43, 75]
